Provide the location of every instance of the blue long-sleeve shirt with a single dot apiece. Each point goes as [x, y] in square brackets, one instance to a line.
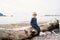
[33, 22]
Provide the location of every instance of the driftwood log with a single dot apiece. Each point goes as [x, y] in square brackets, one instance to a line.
[49, 25]
[19, 32]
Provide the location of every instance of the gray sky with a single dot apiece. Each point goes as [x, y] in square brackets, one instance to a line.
[22, 9]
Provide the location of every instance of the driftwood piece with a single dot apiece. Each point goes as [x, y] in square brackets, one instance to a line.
[49, 25]
[15, 31]
[18, 33]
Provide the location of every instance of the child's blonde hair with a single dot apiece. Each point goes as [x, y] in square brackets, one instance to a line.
[34, 14]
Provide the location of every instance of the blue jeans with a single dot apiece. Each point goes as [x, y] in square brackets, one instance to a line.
[37, 28]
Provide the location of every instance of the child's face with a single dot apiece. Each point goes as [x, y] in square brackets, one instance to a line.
[34, 16]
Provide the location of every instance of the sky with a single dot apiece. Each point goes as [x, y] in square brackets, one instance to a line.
[21, 10]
